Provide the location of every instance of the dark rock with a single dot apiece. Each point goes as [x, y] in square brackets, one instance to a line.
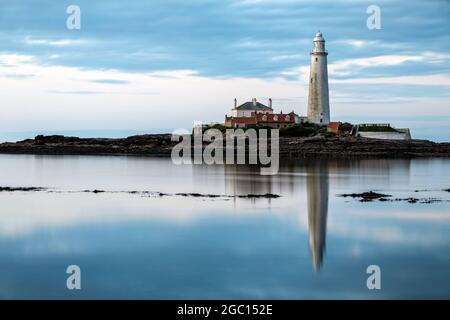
[248, 196]
[370, 196]
[55, 139]
[430, 200]
[367, 196]
[267, 195]
[412, 200]
[151, 145]
[24, 189]
[94, 191]
[190, 194]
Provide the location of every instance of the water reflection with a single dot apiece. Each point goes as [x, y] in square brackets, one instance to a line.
[369, 173]
[317, 197]
[191, 247]
[242, 179]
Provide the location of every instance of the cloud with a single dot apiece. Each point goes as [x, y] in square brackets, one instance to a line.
[78, 92]
[364, 44]
[57, 43]
[356, 43]
[216, 38]
[67, 99]
[287, 57]
[418, 80]
[14, 59]
[17, 76]
[110, 81]
[349, 66]
[358, 66]
[173, 74]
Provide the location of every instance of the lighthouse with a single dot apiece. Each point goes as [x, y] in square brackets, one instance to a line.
[318, 101]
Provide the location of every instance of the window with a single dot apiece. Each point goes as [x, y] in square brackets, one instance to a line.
[311, 80]
[316, 59]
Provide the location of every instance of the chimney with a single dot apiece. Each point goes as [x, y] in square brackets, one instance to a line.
[254, 102]
[235, 103]
[270, 102]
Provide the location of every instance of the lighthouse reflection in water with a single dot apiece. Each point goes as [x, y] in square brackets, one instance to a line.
[317, 198]
[312, 174]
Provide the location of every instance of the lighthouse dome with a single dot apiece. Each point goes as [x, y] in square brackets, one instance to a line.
[318, 37]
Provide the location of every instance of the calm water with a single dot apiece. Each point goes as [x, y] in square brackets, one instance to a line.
[309, 243]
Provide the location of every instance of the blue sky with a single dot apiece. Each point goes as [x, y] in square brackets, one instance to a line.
[160, 65]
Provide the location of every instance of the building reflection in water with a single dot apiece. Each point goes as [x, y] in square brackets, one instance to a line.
[317, 190]
[246, 179]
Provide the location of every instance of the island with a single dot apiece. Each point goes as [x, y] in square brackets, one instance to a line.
[160, 145]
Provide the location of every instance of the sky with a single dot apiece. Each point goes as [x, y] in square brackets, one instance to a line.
[154, 66]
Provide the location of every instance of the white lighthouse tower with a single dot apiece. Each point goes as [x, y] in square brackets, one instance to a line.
[318, 101]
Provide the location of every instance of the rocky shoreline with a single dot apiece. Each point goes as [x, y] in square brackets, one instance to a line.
[370, 196]
[144, 193]
[356, 147]
[160, 145]
[157, 145]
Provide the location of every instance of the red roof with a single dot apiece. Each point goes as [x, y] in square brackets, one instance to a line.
[333, 125]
